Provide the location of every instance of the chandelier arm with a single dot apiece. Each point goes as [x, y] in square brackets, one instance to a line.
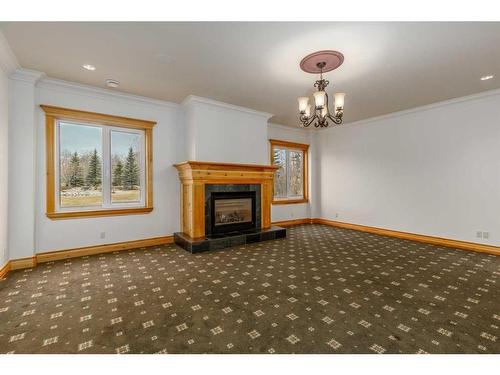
[315, 117]
[336, 120]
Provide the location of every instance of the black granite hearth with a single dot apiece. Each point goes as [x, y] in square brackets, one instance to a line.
[221, 241]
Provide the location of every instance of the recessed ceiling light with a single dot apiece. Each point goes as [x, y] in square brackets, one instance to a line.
[485, 78]
[113, 83]
[88, 67]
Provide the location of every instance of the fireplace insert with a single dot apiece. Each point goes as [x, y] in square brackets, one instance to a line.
[232, 211]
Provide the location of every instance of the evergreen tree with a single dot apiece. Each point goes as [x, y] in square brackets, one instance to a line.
[94, 171]
[131, 171]
[75, 171]
[118, 174]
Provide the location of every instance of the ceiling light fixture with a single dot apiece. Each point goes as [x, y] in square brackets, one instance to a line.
[485, 78]
[321, 62]
[113, 83]
[88, 67]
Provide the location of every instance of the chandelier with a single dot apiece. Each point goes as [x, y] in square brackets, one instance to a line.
[321, 62]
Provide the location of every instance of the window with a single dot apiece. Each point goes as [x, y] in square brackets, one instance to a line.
[97, 165]
[290, 180]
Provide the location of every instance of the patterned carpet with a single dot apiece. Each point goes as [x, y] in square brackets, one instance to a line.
[321, 290]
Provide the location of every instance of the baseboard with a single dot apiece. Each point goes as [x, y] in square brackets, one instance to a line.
[289, 223]
[21, 263]
[463, 245]
[18, 264]
[99, 249]
[4, 270]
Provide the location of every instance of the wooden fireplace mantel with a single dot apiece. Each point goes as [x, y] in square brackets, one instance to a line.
[194, 175]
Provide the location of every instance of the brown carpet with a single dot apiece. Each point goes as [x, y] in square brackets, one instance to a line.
[321, 290]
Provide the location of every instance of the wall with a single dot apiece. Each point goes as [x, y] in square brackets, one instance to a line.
[222, 132]
[433, 170]
[4, 123]
[29, 170]
[281, 212]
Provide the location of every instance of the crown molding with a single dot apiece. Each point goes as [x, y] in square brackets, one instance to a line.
[27, 75]
[481, 95]
[192, 99]
[93, 91]
[8, 61]
[289, 128]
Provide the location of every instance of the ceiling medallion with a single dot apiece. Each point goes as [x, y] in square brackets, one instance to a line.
[321, 62]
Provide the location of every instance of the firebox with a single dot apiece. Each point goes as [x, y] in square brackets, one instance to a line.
[232, 211]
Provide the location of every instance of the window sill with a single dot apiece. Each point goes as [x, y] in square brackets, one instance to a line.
[290, 201]
[98, 213]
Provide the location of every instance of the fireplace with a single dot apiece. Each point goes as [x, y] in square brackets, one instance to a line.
[232, 211]
[224, 205]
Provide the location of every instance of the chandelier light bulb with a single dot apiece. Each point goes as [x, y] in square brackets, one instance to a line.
[339, 100]
[319, 99]
[303, 102]
[324, 112]
[308, 110]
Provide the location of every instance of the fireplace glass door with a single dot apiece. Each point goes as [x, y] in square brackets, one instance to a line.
[233, 211]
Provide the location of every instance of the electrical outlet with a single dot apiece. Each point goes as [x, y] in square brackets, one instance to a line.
[486, 234]
[103, 235]
[336, 215]
[479, 234]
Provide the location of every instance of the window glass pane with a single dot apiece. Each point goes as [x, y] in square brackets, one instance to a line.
[279, 160]
[80, 165]
[126, 166]
[296, 172]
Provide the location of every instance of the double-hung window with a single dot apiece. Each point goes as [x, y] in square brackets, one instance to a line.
[97, 165]
[290, 180]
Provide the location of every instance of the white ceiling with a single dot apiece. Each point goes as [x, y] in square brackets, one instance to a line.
[388, 66]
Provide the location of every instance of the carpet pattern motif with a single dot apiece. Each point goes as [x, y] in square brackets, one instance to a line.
[321, 290]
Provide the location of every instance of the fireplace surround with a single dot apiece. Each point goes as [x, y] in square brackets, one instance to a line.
[240, 193]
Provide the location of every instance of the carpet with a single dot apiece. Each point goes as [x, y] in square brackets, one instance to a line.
[320, 290]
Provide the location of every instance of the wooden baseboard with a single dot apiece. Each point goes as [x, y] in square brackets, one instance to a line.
[463, 245]
[289, 223]
[4, 270]
[18, 264]
[99, 249]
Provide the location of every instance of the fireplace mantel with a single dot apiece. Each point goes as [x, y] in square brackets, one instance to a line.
[194, 175]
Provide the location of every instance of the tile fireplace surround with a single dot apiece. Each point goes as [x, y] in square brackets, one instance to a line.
[201, 179]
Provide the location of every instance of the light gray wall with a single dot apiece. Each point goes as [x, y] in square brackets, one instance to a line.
[433, 170]
[4, 164]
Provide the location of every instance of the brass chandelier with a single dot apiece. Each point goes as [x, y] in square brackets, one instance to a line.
[321, 62]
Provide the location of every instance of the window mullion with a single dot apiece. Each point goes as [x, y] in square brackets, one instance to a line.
[106, 167]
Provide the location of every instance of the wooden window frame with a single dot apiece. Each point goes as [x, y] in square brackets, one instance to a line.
[55, 114]
[293, 146]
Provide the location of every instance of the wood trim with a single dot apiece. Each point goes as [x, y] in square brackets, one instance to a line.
[194, 175]
[98, 213]
[4, 270]
[100, 249]
[300, 146]
[57, 113]
[305, 170]
[18, 264]
[209, 166]
[50, 151]
[101, 118]
[289, 223]
[289, 201]
[439, 241]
